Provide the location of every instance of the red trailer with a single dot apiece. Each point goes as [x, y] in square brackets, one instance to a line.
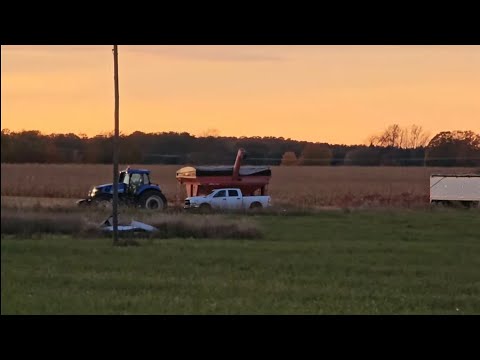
[201, 180]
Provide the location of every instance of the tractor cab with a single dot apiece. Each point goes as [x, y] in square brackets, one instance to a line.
[134, 179]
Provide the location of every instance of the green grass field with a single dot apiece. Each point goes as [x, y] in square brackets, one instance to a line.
[391, 262]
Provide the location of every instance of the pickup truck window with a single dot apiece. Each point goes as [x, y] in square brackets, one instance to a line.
[233, 193]
[221, 193]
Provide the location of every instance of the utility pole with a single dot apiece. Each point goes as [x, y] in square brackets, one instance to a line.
[115, 148]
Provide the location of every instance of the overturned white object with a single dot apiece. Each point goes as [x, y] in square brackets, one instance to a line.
[107, 225]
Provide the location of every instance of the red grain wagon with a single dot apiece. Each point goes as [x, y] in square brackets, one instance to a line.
[201, 180]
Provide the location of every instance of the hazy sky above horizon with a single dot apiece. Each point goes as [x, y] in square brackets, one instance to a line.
[335, 94]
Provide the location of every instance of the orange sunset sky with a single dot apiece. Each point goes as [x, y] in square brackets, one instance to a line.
[335, 94]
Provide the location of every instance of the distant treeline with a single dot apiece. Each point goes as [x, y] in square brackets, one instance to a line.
[451, 148]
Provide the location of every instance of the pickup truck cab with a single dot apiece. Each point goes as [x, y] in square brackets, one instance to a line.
[226, 199]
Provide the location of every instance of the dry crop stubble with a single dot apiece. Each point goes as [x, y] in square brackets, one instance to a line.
[298, 186]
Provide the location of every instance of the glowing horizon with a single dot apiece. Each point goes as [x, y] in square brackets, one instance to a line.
[334, 94]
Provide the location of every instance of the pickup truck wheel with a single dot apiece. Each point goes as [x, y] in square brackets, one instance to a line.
[153, 201]
[256, 205]
[205, 208]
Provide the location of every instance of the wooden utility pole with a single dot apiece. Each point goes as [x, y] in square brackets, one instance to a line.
[115, 148]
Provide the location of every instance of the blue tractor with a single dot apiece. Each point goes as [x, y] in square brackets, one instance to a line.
[134, 189]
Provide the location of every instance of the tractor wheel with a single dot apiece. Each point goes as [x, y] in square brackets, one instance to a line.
[153, 200]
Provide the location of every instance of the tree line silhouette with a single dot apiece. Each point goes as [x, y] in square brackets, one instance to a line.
[395, 146]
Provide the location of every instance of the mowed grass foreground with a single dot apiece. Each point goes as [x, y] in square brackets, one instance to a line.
[332, 263]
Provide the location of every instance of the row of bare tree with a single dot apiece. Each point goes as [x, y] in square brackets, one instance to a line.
[412, 137]
[399, 146]
[394, 146]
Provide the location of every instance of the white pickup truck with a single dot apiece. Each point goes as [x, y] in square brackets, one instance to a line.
[226, 199]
